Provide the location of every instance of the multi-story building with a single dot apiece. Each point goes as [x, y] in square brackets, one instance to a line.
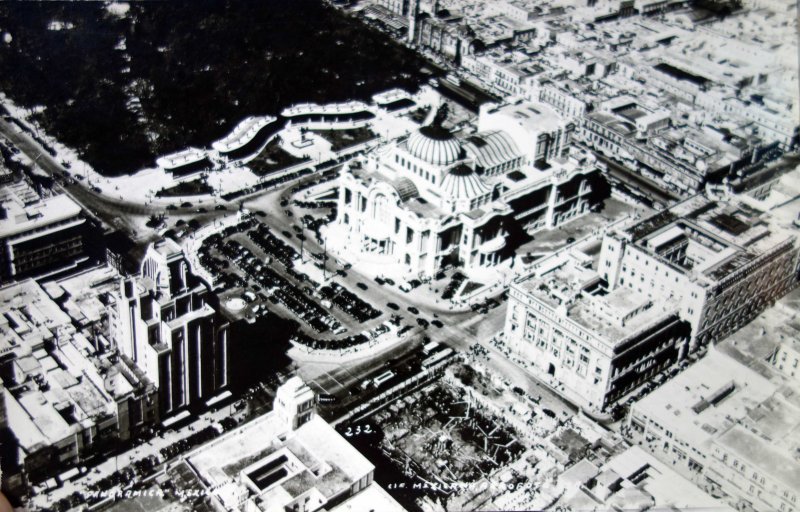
[592, 344]
[62, 401]
[723, 261]
[433, 200]
[727, 427]
[168, 329]
[287, 459]
[443, 35]
[38, 235]
[90, 299]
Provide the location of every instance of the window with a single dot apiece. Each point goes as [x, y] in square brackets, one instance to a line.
[380, 210]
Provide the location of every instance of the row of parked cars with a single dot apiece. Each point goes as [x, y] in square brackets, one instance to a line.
[349, 302]
[283, 291]
[272, 245]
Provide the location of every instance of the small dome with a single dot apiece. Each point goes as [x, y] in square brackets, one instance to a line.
[435, 145]
[463, 183]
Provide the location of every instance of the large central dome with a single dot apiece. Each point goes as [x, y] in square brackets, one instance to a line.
[435, 145]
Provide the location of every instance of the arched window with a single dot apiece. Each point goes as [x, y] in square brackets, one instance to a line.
[380, 209]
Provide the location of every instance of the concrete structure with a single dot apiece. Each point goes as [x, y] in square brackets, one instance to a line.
[38, 235]
[727, 427]
[168, 329]
[62, 401]
[592, 344]
[723, 261]
[640, 136]
[632, 480]
[432, 200]
[287, 459]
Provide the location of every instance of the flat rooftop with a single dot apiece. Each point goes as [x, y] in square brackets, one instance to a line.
[710, 398]
[313, 457]
[21, 217]
[723, 236]
[536, 117]
[612, 316]
[754, 344]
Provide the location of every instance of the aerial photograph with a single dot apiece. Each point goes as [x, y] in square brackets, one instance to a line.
[399, 255]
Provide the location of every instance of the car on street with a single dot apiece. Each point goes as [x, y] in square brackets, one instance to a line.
[392, 305]
[422, 322]
[413, 310]
[186, 204]
[437, 323]
[362, 286]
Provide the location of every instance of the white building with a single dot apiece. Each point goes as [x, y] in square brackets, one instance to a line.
[171, 332]
[723, 261]
[420, 204]
[287, 459]
[727, 427]
[593, 345]
[632, 480]
[62, 401]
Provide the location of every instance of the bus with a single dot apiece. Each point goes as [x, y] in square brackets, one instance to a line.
[430, 347]
[380, 379]
[435, 358]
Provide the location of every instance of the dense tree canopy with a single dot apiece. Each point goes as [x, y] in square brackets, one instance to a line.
[123, 89]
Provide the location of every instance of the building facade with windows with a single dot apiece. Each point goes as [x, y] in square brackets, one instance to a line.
[38, 235]
[171, 332]
[727, 427]
[63, 400]
[289, 459]
[591, 344]
[724, 262]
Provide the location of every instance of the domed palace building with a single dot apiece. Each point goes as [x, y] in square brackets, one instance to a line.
[431, 200]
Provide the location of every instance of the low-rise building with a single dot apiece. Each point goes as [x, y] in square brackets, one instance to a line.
[62, 401]
[728, 428]
[632, 480]
[287, 459]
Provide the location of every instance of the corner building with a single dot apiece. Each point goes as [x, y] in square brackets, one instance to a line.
[724, 261]
[591, 344]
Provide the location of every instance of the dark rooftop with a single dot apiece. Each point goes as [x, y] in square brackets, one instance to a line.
[680, 74]
[730, 223]
[651, 224]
